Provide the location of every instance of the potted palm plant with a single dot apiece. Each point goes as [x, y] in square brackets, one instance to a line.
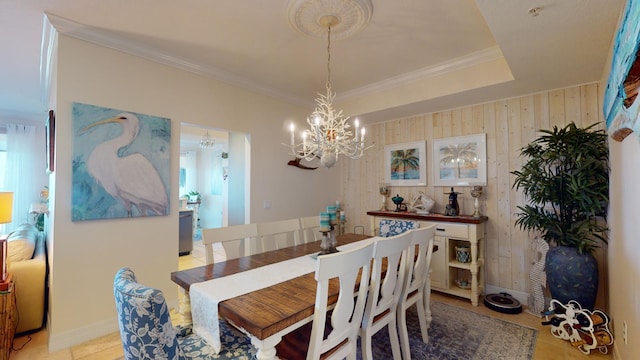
[565, 179]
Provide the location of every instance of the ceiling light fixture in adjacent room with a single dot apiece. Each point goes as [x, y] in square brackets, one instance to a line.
[207, 141]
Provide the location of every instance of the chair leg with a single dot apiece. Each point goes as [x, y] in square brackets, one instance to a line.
[354, 349]
[365, 341]
[422, 318]
[184, 305]
[426, 298]
[395, 343]
[404, 333]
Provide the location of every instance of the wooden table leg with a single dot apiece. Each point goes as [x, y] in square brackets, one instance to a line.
[184, 305]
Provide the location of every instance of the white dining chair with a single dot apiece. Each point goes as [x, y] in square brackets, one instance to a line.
[348, 266]
[310, 228]
[279, 234]
[384, 292]
[415, 287]
[236, 240]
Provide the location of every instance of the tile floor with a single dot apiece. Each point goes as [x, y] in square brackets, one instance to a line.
[108, 347]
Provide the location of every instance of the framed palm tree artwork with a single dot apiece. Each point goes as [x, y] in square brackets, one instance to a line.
[460, 161]
[406, 164]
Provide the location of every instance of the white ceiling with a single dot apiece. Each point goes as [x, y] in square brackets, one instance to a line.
[251, 43]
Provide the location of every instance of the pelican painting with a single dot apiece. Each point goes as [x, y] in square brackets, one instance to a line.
[121, 164]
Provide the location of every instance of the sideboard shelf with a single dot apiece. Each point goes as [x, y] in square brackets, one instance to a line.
[451, 231]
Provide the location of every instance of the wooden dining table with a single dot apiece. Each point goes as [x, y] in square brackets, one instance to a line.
[266, 315]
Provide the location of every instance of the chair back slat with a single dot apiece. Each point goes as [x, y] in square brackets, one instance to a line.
[421, 251]
[387, 279]
[348, 266]
[279, 234]
[310, 226]
[416, 289]
[237, 240]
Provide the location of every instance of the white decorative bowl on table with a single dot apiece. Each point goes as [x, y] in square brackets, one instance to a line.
[422, 203]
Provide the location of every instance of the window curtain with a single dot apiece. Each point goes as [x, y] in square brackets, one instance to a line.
[22, 146]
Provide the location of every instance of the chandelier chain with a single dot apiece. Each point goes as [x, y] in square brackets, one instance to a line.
[329, 58]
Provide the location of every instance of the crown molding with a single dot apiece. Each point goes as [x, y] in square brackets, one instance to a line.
[462, 62]
[47, 58]
[118, 42]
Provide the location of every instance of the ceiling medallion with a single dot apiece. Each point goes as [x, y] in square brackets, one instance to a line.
[353, 15]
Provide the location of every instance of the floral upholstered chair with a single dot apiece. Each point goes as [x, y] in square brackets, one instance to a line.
[390, 227]
[147, 333]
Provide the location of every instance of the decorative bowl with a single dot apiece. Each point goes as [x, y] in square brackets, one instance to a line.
[462, 284]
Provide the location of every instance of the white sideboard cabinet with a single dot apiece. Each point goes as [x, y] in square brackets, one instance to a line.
[457, 266]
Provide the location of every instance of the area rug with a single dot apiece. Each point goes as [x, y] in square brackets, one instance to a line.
[456, 333]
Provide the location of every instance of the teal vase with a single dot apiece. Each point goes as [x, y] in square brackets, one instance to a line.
[572, 276]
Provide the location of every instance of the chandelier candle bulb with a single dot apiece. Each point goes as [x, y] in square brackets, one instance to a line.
[357, 124]
[292, 127]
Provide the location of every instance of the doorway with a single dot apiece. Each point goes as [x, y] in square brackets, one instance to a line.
[203, 185]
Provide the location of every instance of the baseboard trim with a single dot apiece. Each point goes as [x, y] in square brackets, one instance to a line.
[67, 339]
[77, 336]
[616, 353]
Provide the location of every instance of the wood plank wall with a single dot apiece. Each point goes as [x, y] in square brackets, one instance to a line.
[509, 124]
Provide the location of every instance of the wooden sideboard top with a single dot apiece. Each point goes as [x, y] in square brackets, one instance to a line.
[467, 219]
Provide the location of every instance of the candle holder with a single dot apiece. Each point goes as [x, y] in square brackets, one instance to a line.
[329, 242]
[476, 192]
[398, 201]
[384, 191]
[453, 207]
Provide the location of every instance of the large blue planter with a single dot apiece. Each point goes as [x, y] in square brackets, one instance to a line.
[572, 276]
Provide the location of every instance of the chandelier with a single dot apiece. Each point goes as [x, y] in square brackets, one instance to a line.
[329, 134]
[207, 141]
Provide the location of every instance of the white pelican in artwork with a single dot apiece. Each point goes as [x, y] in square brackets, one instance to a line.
[132, 179]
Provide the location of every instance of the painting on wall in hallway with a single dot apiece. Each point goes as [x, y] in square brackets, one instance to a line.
[621, 105]
[50, 129]
[460, 161]
[121, 164]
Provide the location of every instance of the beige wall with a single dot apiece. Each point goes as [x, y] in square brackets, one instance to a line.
[85, 255]
[509, 124]
[624, 254]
